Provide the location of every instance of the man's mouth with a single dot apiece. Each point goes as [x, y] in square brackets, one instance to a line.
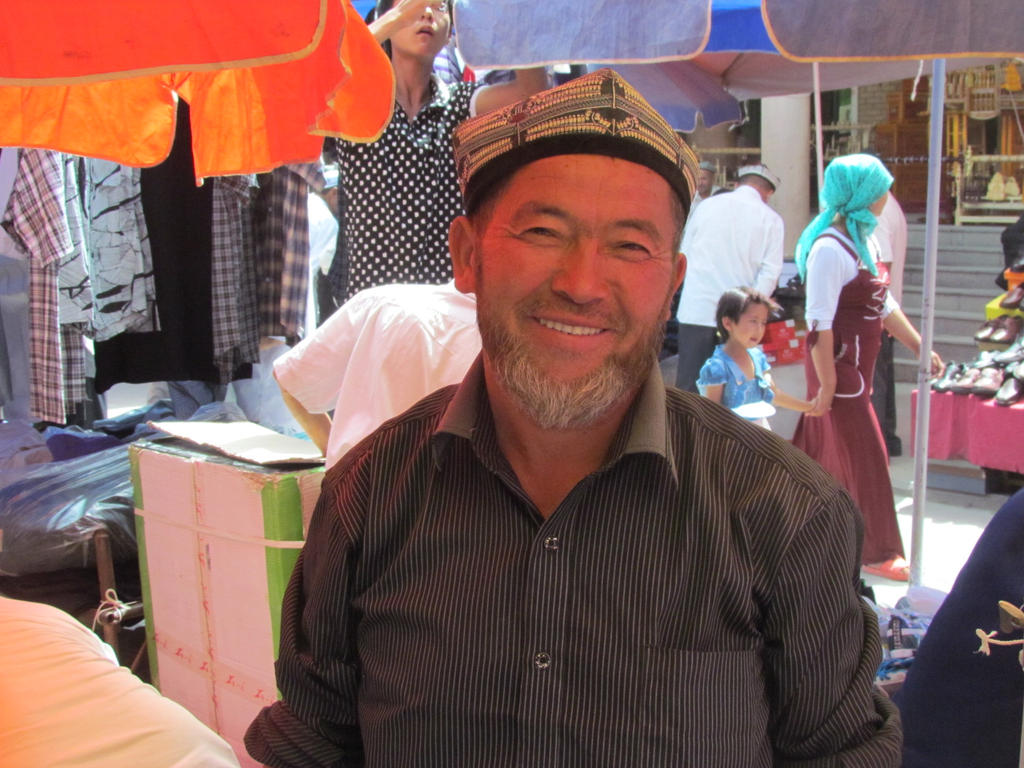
[572, 330]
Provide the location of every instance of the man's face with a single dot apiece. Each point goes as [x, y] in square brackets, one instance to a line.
[425, 37]
[573, 264]
[704, 182]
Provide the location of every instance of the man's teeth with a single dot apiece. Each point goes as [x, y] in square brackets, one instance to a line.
[574, 330]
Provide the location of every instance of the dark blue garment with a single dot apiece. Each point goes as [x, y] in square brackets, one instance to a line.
[959, 707]
[72, 442]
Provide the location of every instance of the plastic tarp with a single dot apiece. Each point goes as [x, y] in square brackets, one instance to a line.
[49, 513]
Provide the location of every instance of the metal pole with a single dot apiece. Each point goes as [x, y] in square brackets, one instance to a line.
[819, 144]
[931, 249]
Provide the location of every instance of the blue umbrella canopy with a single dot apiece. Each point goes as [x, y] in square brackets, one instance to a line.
[686, 58]
[825, 30]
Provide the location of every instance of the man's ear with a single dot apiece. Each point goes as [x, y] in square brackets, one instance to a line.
[680, 269]
[462, 244]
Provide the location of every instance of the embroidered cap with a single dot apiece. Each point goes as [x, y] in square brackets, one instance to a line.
[761, 170]
[596, 114]
[706, 165]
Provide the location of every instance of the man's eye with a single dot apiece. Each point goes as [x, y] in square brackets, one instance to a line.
[542, 233]
[631, 250]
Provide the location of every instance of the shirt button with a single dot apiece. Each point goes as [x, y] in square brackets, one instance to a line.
[542, 660]
[551, 543]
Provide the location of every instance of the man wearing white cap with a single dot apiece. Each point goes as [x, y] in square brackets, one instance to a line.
[706, 186]
[733, 239]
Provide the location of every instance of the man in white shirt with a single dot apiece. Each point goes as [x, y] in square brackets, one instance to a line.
[379, 353]
[734, 239]
[706, 186]
[891, 234]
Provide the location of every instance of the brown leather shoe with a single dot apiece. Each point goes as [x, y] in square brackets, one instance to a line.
[1011, 392]
[1008, 331]
[988, 328]
[1013, 298]
[964, 383]
[989, 382]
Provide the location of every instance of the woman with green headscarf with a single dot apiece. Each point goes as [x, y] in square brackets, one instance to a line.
[848, 304]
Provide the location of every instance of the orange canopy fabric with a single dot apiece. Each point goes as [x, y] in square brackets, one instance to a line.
[54, 42]
[244, 119]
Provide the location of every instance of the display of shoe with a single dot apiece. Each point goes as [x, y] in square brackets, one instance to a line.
[1011, 391]
[988, 328]
[1017, 370]
[1013, 298]
[1008, 331]
[897, 569]
[1012, 354]
[988, 382]
[945, 382]
[964, 383]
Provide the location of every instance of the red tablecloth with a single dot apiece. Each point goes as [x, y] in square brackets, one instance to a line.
[974, 429]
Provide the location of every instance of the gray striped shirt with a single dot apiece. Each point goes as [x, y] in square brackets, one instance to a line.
[691, 603]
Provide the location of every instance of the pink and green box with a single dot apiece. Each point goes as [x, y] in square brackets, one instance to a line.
[217, 542]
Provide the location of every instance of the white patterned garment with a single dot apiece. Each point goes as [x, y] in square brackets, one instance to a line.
[120, 262]
[74, 294]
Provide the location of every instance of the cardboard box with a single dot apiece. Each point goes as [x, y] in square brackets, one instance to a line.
[785, 353]
[779, 331]
[217, 542]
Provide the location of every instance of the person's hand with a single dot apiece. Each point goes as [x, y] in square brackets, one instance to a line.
[820, 405]
[411, 11]
[405, 13]
[937, 366]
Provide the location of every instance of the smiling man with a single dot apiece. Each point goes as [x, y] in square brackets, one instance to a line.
[560, 562]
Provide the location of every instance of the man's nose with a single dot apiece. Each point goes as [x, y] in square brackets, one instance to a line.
[580, 274]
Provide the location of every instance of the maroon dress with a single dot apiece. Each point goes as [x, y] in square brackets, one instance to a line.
[847, 441]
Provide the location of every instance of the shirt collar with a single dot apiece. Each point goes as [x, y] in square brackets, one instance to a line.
[644, 430]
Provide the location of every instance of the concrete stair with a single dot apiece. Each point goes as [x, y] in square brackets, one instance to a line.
[969, 259]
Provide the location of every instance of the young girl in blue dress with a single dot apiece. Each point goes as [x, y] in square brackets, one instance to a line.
[737, 373]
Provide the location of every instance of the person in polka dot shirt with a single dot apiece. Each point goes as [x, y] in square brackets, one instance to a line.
[399, 194]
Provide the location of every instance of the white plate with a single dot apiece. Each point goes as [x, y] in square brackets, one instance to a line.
[758, 410]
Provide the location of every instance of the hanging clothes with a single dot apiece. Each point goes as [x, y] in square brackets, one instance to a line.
[36, 219]
[236, 339]
[282, 247]
[120, 262]
[14, 376]
[74, 293]
[178, 219]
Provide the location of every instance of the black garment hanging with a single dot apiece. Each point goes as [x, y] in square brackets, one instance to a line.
[179, 219]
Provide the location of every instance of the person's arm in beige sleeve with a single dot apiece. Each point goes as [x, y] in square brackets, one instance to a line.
[317, 426]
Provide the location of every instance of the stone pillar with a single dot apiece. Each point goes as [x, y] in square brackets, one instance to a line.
[786, 148]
